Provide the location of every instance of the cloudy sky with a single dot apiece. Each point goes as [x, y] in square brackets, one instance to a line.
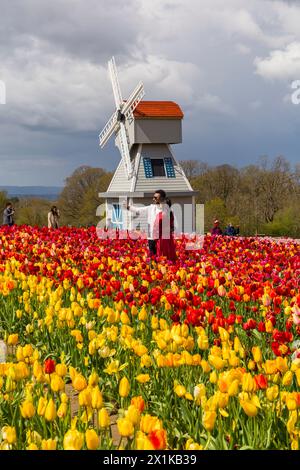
[229, 64]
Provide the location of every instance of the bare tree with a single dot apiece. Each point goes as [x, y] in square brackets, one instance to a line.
[193, 168]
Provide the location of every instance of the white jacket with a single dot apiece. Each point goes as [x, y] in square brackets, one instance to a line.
[151, 212]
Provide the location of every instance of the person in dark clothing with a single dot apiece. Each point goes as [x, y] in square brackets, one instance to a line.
[8, 214]
[216, 230]
[230, 230]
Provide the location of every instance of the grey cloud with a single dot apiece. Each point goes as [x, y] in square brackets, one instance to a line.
[90, 29]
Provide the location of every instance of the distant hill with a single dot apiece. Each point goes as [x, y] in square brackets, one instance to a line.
[45, 192]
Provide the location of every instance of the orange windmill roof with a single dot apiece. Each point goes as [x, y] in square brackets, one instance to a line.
[158, 110]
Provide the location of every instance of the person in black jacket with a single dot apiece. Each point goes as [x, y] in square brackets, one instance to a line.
[230, 230]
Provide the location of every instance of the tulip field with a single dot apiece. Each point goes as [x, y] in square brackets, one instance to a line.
[202, 354]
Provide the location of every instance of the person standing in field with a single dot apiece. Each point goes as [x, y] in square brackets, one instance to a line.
[8, 214]
[151, 212]
[53, 216]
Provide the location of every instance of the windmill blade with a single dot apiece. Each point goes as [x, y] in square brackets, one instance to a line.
[110, 127]
[133, 100]
[115, 82]
[124, 149]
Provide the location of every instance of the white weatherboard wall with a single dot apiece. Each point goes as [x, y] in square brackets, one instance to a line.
[120, 181]
[159, 182]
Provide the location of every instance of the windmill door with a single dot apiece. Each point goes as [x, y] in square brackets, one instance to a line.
[117, 216]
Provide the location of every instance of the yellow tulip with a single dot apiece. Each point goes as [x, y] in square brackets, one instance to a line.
[249, 408]
[224, 335]
[291, 402]
[270, 366]
[62, 410]
[61, 369]
[49, 444]
[213, 378]
[191, 445]
[103, 418]
[208, 420]
[73, 440]
[92, 439]
[142, 316]
[272, 393]
[257, 354]
[203, 342]
[297, 372]
[133, 415]
[57, 384]
[85, 397]
[50, 412]
[199, 390]
[142, 442]
[295, 444]
[233, 360]
[290, 425]
[146, 360]
[124, 387]
[19, 353]
[205, 366]
[233, 388]
[27, 409]
[79, 382]
[32, 446]
[217, 362]
[125, 427]
[124, 318]
[13, 339]
[143, 378]
[9, 434]
[180, 390]
[97, 399]
[287, 379]
[248, 383]
[42, 406]
[150, 423]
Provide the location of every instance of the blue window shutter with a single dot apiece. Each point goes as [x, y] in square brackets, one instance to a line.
[148, 167]
[169, 167]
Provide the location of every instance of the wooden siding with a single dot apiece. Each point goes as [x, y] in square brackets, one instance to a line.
[159, 182]
[120, 182]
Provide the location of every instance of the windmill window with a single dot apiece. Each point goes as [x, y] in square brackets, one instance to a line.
[155, 167]
[158, 167]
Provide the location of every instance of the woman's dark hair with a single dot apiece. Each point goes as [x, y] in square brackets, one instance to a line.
[168, 201]
[162, 193]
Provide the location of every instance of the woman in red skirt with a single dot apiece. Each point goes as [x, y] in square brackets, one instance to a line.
[163, 231]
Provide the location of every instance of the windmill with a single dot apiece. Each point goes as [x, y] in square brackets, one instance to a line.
[144, 131]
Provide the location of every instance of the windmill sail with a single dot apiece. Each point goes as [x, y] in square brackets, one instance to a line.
[124, 149]
[132, 102]
[110, 127]
[124, 113]
[115, 82]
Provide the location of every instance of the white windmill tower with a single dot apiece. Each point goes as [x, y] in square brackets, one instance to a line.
[144, 131]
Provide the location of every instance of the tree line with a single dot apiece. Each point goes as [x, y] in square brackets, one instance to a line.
[261, 199]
